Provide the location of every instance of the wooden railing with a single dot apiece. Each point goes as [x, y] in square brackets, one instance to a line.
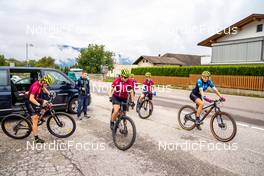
[224, 81]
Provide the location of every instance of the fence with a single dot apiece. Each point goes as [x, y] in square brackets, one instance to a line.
[224, 81]
[96, 76]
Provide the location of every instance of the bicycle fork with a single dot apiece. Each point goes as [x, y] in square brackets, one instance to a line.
[220, 121]
[57, 120]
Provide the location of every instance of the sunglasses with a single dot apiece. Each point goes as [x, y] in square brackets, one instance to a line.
[125, 77]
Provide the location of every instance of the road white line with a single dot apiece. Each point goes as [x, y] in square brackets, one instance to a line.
[256, 152]
[257, 128]
[241, 124]
[253, 127]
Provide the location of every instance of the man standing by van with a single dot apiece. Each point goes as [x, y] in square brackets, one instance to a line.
[83, 85]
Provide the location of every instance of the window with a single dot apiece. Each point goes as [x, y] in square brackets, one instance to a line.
[3, 78]
[20, 78]
[59, 79]
[260, 28]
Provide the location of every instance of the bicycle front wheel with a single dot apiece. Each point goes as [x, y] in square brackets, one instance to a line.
[16, 126]
[145, 109]
[223, 126]
[61, 125]
[124, 133]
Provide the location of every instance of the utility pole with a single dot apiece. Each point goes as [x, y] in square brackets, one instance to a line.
[28, 45]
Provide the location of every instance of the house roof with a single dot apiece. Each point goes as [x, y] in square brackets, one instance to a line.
[209, 41]
[172, 59]
[187, 59]
[160, 60]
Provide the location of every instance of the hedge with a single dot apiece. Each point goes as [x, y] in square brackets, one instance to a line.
[185, 71]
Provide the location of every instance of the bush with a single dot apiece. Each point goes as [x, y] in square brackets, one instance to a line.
[185, 71]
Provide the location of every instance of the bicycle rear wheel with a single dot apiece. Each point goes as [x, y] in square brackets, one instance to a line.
[223, 126]
[185, 116]
[145, 110]
[124, 133]
[16, 126]
[61, 125]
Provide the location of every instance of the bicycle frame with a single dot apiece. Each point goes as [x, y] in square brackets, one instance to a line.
[211, 106]
[48, 108]
[124, 107]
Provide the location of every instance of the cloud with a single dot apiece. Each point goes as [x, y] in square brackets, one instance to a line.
[131, 28]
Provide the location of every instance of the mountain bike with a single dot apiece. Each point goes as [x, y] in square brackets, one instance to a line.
[222, 125]
[145, 108]
[124, 130]
[19, 126]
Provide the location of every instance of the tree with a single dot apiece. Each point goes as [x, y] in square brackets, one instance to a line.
[94, 57]
[65, 70]
[2, 60]
[46, 62]
[32, 63]
[16, 62]
[43, 62]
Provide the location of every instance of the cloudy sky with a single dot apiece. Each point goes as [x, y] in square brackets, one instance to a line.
[128, 27]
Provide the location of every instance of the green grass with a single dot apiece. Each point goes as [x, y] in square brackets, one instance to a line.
[109, 79]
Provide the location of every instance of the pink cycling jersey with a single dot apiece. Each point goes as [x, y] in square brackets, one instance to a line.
[35, 89]
[122, 88]
[147, 85]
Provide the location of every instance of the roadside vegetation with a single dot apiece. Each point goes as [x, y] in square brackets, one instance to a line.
[185, 71]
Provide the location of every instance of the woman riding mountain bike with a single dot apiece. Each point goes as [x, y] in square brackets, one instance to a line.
[118, 94]
[144, 104]
[198, 94]
[148, 86]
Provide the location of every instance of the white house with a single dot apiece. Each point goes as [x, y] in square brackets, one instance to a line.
[241, 42]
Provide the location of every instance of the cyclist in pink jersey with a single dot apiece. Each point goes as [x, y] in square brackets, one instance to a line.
[119, 93]
[34, 102]
[148, 87]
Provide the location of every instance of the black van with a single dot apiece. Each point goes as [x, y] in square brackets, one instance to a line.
[14, 80]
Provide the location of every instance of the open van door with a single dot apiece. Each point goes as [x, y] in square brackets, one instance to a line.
[5, 92]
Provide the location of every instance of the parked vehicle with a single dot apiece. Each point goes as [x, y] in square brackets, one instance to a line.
[75, 73]
[10, 89]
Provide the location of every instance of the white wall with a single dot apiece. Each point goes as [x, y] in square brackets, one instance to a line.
[206, 59]
[117, 69]
[144, 64]
[248, 31]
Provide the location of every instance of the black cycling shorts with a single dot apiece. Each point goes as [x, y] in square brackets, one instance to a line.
[148, 94]
[194, 97]
[31, 108]
[118, 101]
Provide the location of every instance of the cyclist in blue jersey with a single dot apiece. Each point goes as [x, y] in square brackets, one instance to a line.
[198, 94]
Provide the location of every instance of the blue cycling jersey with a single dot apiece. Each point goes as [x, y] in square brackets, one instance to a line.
[203, 85]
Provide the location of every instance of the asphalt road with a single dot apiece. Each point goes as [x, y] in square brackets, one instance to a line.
[161, 147]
